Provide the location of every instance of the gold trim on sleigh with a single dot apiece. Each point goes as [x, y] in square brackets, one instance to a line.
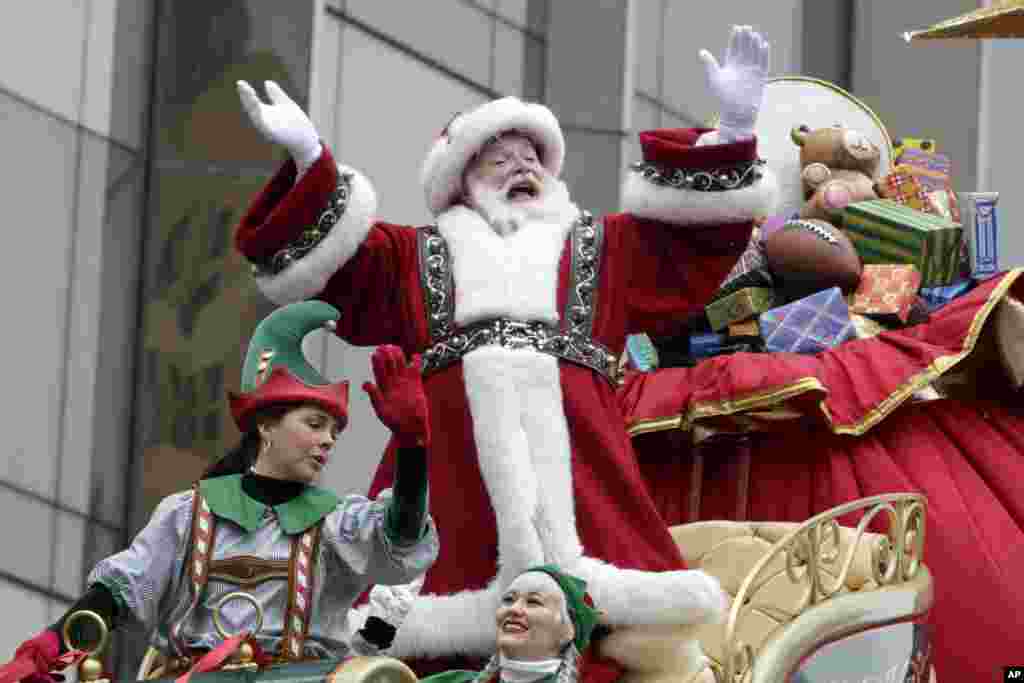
[771, 401]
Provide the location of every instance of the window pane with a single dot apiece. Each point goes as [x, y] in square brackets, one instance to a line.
[649, 18]
[37, 194]
[458, 35]
[50, 36]
[509, 59]
[31, 562]
[70, 540]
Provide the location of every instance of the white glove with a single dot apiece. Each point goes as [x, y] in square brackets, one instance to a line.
[392, 603]
[739, 84]
[282, 122]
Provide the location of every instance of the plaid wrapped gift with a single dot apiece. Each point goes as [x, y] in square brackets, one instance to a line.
[903, 187]
[932, 170]
[810, 325]
[937, 297]
[884, 231]
[751, 260]
[887, 291]
[740, 305]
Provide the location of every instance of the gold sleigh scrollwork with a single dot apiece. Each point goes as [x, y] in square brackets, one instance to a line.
[816, 545]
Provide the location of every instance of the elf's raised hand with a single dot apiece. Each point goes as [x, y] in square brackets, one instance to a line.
[398, 397]
[738, 83]
[282, 122]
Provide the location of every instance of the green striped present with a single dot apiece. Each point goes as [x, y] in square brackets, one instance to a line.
[884, 231]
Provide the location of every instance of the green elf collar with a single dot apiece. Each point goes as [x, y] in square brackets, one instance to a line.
[227, 499]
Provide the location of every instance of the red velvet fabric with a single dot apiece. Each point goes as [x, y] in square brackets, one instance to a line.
[282, 210]
[966, 456]
[675, 148]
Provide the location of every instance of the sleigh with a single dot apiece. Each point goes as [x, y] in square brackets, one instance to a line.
[842, 596]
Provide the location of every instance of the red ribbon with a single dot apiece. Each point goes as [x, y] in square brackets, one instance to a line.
[25, 666]
[214, 658]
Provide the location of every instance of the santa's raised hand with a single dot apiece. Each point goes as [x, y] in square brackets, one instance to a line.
[282, 122]
[738, 82]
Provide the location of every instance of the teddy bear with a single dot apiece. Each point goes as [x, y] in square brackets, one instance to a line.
[839, 166]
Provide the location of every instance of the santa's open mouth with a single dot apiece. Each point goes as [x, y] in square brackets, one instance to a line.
[523, 190]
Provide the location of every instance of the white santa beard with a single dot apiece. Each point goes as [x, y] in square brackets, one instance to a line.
[506, 217]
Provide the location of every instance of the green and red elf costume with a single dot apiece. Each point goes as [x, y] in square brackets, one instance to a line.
[300, 551]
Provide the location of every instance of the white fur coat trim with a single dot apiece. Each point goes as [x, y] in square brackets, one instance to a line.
[515, 276]
[309, 275]
[645, 199]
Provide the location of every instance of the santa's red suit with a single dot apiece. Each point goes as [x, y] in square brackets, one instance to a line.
[530, 460]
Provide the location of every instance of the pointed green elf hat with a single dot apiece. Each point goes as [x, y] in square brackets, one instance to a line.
[276, 370]
[578, 603]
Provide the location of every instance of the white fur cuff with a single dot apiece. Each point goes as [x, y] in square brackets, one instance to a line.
[644, 199]
[309, 275]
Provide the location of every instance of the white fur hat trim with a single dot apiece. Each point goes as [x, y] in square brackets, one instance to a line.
[441, 175]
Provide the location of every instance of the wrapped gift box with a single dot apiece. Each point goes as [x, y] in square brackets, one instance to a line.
[810, 325]
[737, 306]
[865, 327]
[933, 171]
[981, 227]
[640, 353]
[901, 186]
[886, 291]
[884, 231]
[752, 260]
[706, 344]
[745, 329]
[937, 297]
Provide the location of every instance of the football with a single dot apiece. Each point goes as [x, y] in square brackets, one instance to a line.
[809, 255]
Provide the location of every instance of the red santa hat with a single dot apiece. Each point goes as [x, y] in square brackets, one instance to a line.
[467, 134]
[689, 179]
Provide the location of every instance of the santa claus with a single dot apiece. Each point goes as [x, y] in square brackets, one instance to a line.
[519, 304]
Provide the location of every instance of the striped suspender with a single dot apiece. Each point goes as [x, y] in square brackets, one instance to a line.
[201, 540]
[301, 566]
[300, 591]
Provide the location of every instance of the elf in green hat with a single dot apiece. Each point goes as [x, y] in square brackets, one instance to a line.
[546, 622]
[256, 521]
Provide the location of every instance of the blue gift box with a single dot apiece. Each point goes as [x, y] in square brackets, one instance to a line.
[809, 325]
[937, 297]
[706, 344]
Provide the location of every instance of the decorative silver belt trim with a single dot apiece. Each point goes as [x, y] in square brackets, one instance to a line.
[516, 334]
[574, 344]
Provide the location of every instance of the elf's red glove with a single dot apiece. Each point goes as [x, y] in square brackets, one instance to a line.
[33, 660]
[398, 397]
